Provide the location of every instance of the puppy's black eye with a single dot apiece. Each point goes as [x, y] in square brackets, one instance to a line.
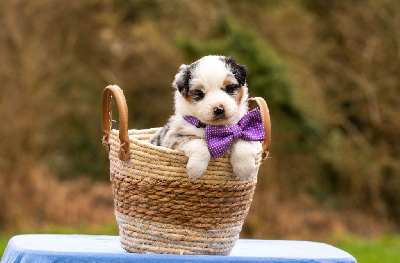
[196, 95]
[231, 88]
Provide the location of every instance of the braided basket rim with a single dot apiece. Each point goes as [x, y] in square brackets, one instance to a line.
[141, 137]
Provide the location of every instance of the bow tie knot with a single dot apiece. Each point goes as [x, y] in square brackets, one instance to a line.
[236, 131]
[220, 138]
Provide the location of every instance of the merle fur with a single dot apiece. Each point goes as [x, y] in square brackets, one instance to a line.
[182, 83]
[159, 136]
[239, 71]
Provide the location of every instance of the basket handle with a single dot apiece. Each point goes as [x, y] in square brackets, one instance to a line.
[106, 119]
[267, 124]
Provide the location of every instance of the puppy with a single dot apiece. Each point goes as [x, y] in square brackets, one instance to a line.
[214, 91]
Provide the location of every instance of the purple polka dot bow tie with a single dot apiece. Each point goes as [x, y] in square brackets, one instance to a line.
[220, 138]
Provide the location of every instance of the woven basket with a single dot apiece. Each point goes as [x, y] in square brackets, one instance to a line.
[158, 208]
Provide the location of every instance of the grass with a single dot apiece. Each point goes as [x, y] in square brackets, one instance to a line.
[3, 242]
[385, 249]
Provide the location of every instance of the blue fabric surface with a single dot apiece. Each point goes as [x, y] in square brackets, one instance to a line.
[85, 248]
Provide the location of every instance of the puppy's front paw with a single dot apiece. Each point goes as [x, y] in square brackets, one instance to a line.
[243, 158]
[199, 157]
[196, 167]
[244, 168]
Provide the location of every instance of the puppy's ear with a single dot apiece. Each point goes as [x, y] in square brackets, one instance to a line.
[182, 79]
[239, 71]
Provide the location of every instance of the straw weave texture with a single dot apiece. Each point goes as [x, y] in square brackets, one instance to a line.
[160, 210]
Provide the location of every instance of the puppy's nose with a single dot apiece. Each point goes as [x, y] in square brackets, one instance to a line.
[218, 111]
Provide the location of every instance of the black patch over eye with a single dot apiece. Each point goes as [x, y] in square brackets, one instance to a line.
[196, 95]
[231, 88]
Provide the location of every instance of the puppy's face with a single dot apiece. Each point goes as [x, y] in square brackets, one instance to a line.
[212, 89]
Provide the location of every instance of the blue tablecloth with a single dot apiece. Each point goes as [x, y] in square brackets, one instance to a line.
[86, 248]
